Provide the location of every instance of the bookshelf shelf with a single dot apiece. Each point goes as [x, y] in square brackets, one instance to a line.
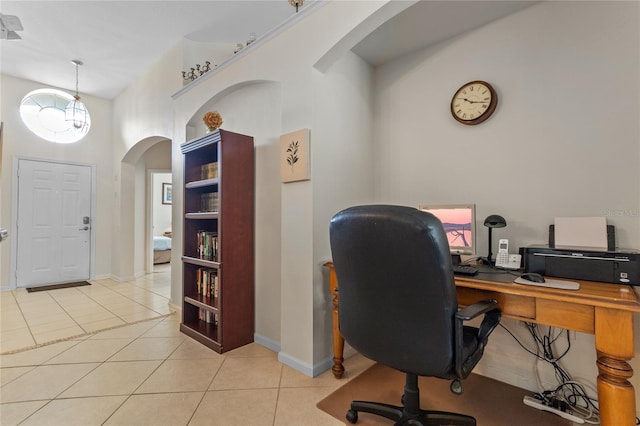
[200, 262]
[207, 334]
[201, 215]
[218, 259]
[201, 302]
[201, 183]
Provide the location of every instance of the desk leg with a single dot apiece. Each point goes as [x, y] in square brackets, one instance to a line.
[338, 343]
[614, 346]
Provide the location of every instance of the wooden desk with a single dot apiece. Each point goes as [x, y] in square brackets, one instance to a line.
[605, 310]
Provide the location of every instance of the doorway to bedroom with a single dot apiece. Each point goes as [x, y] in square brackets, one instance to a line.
[160, 209]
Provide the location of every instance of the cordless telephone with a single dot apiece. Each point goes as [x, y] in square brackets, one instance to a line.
[504, 259]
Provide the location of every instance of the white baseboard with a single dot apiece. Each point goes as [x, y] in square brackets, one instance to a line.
[102, 277]
[122, 279]
[266, 342]
[305, 368]
[322, 366]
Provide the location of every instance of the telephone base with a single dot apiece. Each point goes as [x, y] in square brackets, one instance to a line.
[512, 262]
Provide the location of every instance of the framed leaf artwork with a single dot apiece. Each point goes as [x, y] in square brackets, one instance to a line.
[294, 156]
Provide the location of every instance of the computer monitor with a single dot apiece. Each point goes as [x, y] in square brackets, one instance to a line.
[459, 222]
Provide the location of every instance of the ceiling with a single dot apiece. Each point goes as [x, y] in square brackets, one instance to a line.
[119, 40]
[427, 23]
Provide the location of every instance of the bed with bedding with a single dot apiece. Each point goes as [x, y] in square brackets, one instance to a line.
[161, 249]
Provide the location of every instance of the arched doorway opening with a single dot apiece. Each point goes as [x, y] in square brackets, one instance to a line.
[133, 251]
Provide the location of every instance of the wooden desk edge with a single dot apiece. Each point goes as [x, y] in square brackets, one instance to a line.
[605, 295]
[616, 395]
[592, 293]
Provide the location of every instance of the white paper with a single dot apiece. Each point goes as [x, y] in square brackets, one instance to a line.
[581, 232]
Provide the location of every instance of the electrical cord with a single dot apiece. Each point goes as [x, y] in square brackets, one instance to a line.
[570, 394]
[577, 398]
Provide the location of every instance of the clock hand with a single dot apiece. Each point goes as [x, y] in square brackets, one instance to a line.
[472, 102]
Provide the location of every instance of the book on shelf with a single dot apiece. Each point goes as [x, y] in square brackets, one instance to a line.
[207, 283]
[209, 202]
[207, 245]
[208, 316]
[209, 170]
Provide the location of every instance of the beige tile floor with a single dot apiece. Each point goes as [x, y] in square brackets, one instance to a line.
[33, 319]
[148, 373]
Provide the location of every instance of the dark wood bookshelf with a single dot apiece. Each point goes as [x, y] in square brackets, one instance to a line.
[225, 322]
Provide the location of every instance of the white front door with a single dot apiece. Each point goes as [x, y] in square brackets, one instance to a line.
[54, 223]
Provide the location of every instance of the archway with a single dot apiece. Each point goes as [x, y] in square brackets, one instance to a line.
[132, 245]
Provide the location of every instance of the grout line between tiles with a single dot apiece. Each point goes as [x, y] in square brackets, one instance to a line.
[64, 339]
[275, 409]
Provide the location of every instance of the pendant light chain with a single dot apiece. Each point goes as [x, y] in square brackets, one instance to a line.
[76, 112]
[77, 97]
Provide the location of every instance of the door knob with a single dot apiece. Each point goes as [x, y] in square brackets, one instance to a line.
[85, 228]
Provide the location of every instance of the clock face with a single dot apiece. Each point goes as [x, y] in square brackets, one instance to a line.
[474, 102]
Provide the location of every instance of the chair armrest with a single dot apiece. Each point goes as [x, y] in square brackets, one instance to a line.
[490, 321]
[472, 311]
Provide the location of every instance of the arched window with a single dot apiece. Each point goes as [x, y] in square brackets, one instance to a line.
[43, 112]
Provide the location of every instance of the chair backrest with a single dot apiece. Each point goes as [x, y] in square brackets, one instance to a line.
[396, 287]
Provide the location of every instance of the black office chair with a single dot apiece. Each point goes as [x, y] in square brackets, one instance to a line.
[398, 305]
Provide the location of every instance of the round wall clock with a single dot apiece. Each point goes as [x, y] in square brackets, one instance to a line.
[474, 102]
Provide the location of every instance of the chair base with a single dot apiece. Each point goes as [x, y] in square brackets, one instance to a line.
[402, 416]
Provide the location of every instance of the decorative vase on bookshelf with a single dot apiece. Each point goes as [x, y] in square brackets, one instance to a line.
[212, 120]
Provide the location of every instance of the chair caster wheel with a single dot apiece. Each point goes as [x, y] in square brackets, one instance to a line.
[352, 416]
[456, 387]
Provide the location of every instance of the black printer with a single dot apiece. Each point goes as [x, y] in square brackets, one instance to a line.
[621, 266]
[613, 265]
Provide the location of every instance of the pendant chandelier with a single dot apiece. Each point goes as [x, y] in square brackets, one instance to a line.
[75, 112]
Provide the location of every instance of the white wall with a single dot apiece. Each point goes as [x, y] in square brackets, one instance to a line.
[342, 171]
[565, 129]
[161, 212]
[564, 140]
[148, 204]
[142, 116]
[94, 149]
[287, 59]
[140, 219]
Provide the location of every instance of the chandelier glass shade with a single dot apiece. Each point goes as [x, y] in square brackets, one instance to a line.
[76, 112]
